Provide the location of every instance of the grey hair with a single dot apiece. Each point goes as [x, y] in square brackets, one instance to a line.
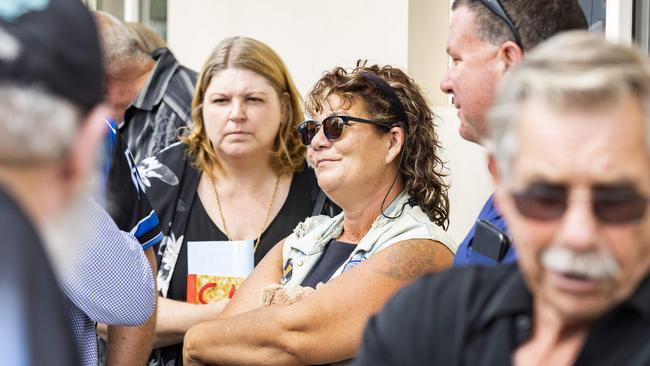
[36, 125]
[9, 46]
[120, 49]
[575, 69]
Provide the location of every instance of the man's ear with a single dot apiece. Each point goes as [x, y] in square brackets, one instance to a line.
[83, 156]
[492, 168]
[510, 54]
[498, 180]
[396, 137]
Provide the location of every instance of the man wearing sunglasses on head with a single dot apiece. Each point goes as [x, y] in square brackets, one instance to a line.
[570, 140]
[486, 39]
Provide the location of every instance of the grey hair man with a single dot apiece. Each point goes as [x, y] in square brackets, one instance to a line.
[51, 92]
[150, 95]
[51, 107]
[35, 327]
[486, 39]
[570, 139]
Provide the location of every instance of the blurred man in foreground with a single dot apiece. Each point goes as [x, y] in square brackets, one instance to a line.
[51, 89]
[570, 135]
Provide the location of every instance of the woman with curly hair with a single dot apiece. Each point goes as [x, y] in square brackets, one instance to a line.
[376, 155]
[239, 174]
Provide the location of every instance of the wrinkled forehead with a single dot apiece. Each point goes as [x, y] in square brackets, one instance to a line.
[239, 79]
[588, 144]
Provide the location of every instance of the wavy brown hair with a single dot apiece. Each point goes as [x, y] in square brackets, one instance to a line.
[422, 170]
[288, 152]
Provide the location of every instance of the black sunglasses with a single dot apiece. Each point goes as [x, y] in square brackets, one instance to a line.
[610, 204]
[497, 9]
[333, 127]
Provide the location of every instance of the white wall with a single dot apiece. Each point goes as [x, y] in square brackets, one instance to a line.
[313, 36]
[470, 180]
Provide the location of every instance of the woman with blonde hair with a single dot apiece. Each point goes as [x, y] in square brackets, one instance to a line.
[376, 155]
[239, 174]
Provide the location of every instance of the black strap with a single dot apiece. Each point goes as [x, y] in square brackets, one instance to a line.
[320, 203]
[387, 91]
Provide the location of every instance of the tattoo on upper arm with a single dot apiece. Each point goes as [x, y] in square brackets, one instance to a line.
[411, 259]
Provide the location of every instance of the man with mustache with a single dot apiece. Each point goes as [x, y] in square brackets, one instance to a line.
[570, 140]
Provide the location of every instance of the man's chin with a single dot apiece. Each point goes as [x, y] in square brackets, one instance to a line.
[576, 308]
[468, 134]
[580, 312]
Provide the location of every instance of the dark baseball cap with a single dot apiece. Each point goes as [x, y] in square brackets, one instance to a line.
[53, 44]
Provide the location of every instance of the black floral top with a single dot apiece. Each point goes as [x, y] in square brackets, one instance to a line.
[171, 184]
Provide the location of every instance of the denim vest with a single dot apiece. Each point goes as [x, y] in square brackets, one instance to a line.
[305, 245]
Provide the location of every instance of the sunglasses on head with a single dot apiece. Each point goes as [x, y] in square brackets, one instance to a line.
[333, 127]
[497, 9]
[610, 204]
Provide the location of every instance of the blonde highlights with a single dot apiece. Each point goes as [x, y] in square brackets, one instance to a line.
[288, 152]
[422, 169]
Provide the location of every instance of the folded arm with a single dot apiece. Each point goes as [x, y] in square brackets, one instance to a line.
[324, 327]
[175, 318]
[267, 272]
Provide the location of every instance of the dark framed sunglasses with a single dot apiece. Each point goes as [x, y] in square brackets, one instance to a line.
[609, 204]
[497, 9]
[333, 127]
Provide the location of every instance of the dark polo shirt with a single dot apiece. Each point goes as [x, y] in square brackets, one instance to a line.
[157, 116]
[480, 316]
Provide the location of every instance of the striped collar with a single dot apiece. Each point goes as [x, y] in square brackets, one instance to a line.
[156, 85]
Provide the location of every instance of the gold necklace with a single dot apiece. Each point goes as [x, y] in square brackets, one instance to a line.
[266, 219]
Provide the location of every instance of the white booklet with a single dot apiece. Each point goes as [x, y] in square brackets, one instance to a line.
[215, 269]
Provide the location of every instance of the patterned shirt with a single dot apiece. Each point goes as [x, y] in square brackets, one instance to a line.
[153, 120]
[110, 282]
[125, 199]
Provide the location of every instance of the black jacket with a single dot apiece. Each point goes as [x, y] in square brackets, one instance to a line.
[480, 316]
